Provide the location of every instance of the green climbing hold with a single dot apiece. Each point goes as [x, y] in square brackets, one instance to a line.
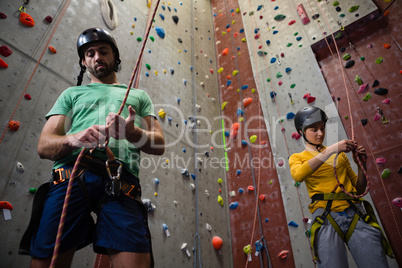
[139, 39]
[338, 35]
[358, 80]
[253, 138]
[269, 80]
[346, 117]
[379, 60]
[152, 38]
[296, 33]
[367, 97]
[220, 200]
[278, 75]
[253, 90]
[308, 232]
[342, 15]
[297, 184]
[386, 173]
[346, 56]
[32, 190]
[279, 17]
[289, 44]
[362, 58]
[292, 85]
[251, 13]
[335, 3]
[300, 45]
[353, 8]
[148, 66]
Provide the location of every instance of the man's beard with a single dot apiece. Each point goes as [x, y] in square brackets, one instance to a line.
[103, 72]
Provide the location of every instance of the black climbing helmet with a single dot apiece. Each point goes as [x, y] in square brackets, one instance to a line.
[96, 34]
[92, 35]
[308, 116]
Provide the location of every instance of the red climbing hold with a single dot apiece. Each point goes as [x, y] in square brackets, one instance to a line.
[262, 197]
[236, 34]
[5, 205]
[3, 16]
[5, 51]
[225, 51]
[282, 55]
[280, 83]
[27, 96]
[49, 19]
[212, 71]
[309, 98]
[3, 64]
[217, 242]
[291, 22]
[261, 17]
[296, 135]
[250, 188]
[13, 125]
[259, 47]
[26, 19]
[386, 46]
[52, 49]
[257, 36]
[386, 101]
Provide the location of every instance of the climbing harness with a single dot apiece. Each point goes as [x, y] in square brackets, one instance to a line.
[368, 217]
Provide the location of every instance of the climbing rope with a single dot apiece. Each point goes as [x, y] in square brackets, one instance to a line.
[83, 151]
[37, 63]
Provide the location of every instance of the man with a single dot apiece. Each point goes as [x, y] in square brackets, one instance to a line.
[80, 118]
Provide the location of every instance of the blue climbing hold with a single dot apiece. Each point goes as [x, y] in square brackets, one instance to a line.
[244, 87]
[256, 30]
[169, 9]
[215, 14]
[241, 31]
[163, 7]
[185, 50]
[290, 115]
[273, 94]
[135, 19]
[238, 48]
[273, 60]
[210, 61]
[275, 32]
[276, 8]
[185, 82]
[184, 150]
[288, 70]
[156, 180]
[240, 112]
[178, 100]
[228, 82]
[227, 26]
[241, 190]
[244, 142]
[192, 176]
[170, 119]
[160, 31]
[227, 133]
[178, 62]
[238, 172]
[293, 224]
[259, 7]
[268, 42]
[298, 38]
[149, 51]
[231, 11]
[175, 10]
[185, 122]
[146, 74]
[191, 68]
[234, 205]
[162, 17]
[266, 220]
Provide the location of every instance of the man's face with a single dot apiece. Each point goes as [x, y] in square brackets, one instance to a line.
[99, 59]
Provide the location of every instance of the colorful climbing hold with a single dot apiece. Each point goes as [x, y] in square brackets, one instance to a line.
[386, 173]
[358, 80]
[220, 200]
[234, 129]
[253, 138]
[160, 31]
[234, 205]
[353, 8]
[13, 125]
[279, 17]
[367, 97]
[247, 101]
[346, 56]
[291, 22]
[27, 96]
[379, 60]
[296, 135]
[5, 51]
[3, 16]
[26, 19]
[363, 88]
[162, 113]
[225, 51]
[293, 224]
[220, 70]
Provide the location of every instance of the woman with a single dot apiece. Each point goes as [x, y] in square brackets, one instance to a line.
[339, 219]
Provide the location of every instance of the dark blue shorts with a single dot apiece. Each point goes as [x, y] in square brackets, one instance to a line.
[121, 224]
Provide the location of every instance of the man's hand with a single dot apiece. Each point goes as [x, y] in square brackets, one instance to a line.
[120, 128]
[91, 137]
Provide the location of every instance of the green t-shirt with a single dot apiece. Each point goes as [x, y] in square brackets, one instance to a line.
[89, 105]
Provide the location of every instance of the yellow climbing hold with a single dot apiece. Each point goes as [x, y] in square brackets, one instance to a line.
[237, 10]
[131, 32]
[164, 71]
[241, 119]
[223, 33]
[156, 72]
[253, 90]
[253, 138]
[243, 39]
[233, 22]
[235, 72]
[220, 70]
[133, 25]
[220, 200]
[162, 113]
[224, 105]
[149, 4]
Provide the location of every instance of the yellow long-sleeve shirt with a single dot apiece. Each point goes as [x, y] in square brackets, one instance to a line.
[323, 179]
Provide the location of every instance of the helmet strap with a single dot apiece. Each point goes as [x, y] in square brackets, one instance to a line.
[81, 75]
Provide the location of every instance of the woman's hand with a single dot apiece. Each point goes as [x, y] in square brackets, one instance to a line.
[361, 153]
[343, 146]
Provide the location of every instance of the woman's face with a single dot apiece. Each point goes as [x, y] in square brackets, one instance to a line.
[315, 133]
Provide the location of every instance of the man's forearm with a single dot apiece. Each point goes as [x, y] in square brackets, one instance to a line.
[54, 147]
[150, 142]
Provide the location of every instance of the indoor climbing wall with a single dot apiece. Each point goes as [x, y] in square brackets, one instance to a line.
[178, 71]
[279, 38]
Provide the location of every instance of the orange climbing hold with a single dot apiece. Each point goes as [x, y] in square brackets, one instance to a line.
[247, 101]
[387, 46]
[13, 125]
[26, 19]
[283, 254]
[236, 34]
[234, 129]
[225, 51]
[52, 49]
[228, 77]
[229, 30]
[386, 13]
[5, 205]
[217, 242]
[3, 64]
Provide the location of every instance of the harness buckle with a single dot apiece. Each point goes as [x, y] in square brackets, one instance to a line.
[366, 218]
[60, 180]
[320, 220]
[113, 186]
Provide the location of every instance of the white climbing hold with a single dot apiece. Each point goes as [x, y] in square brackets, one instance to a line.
[20, 167]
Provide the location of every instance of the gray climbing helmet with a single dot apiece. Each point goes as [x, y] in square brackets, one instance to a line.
[308, 116]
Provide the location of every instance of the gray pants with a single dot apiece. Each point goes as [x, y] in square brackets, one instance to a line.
[364, 244]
